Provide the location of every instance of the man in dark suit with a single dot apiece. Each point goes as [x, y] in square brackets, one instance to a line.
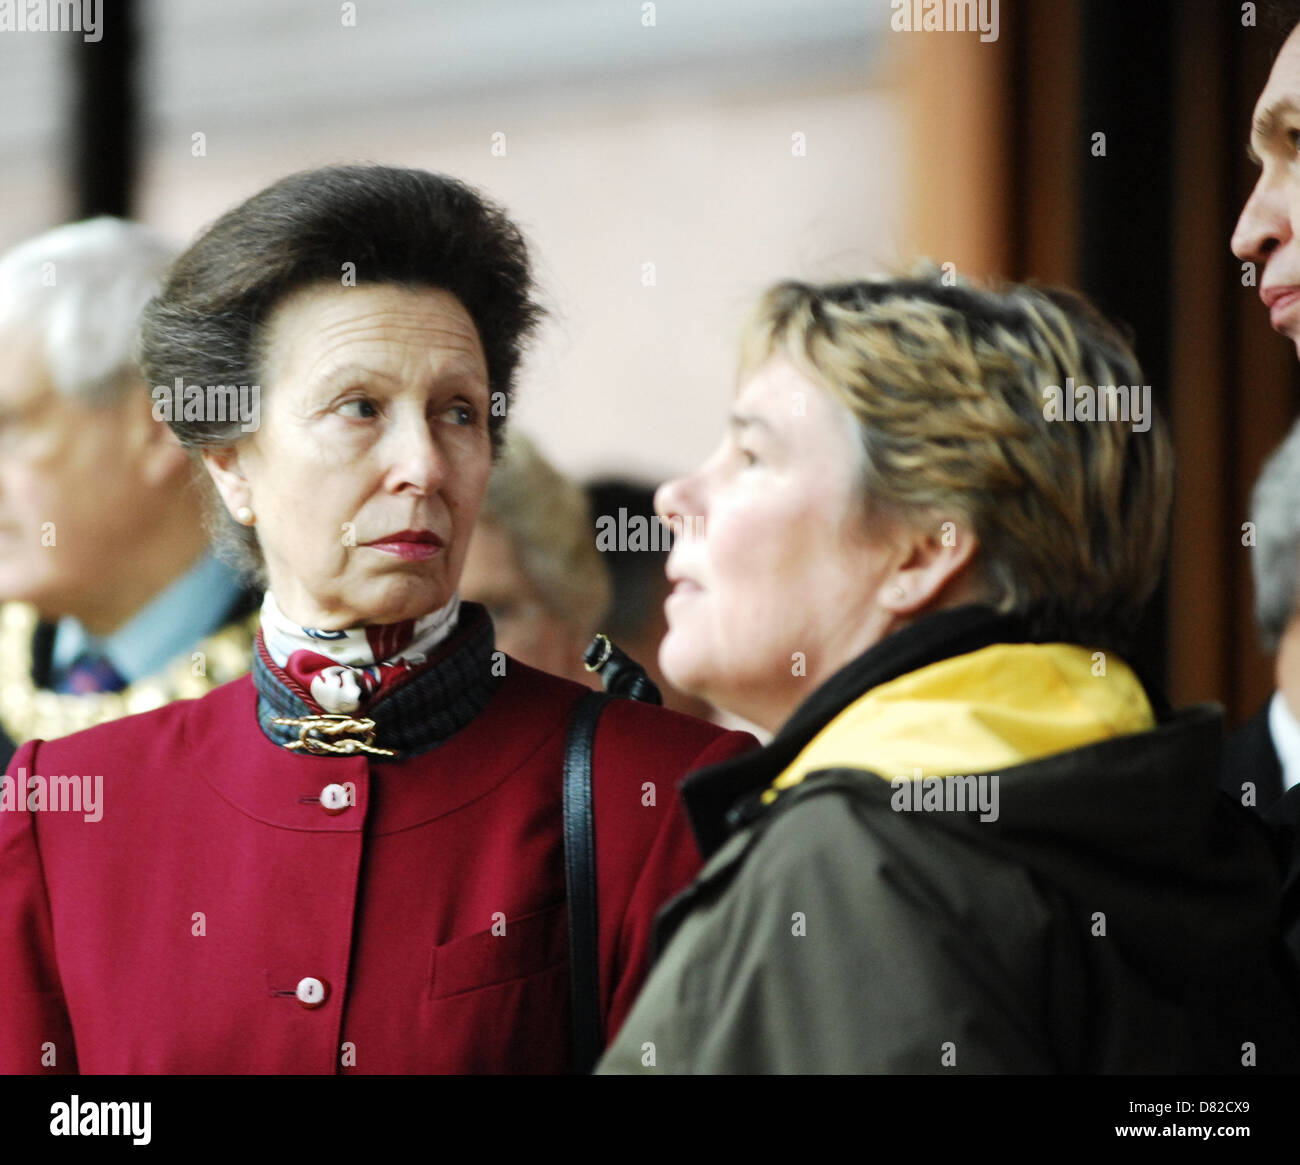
[1262, 759]
[111, 601]
[1266, 236]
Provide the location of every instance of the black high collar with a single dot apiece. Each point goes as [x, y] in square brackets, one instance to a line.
[437, 700]
[721, 798]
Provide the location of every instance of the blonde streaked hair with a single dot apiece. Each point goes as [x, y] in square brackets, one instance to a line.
[946, 381]
[547, 518]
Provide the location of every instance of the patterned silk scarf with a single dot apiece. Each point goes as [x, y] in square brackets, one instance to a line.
[344, 670]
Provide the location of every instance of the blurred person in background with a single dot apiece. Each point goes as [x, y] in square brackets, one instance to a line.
[978, 842]
[1262, 758]
[112, 600]
[635, 620]
[533, 565]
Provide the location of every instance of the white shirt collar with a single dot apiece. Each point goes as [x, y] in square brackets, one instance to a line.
[1285, 731]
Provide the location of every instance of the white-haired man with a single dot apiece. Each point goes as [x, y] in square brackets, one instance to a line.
[111, 600]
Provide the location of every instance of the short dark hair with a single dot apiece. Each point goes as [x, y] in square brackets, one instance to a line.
[398, 226]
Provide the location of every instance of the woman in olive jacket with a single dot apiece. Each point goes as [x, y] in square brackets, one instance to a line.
[977, 842]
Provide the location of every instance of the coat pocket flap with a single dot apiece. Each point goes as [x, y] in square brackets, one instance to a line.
[509, 949]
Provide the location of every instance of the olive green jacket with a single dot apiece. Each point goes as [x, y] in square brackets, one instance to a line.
[1115, 913]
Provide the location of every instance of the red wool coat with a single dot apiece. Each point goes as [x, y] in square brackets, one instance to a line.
[219, 919]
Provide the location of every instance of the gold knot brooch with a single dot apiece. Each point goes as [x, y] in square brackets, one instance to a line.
[333, 726]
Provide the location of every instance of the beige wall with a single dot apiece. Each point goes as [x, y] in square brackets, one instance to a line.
[625, 146]
[627, 377]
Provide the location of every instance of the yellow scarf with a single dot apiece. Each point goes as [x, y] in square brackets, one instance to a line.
[983, 712]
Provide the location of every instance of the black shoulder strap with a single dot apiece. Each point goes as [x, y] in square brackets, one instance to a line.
[580, 876]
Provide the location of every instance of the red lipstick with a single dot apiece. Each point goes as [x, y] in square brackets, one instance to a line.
[413, 545]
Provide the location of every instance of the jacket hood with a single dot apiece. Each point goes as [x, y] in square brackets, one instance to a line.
[995, 708]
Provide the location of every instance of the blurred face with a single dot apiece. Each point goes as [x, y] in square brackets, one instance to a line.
[1265, 233]
[525, 627]
[780, 588]
[368, 470]
[72, 486]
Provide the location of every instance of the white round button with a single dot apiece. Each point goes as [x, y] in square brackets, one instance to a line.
[311, 992]
[334, 798]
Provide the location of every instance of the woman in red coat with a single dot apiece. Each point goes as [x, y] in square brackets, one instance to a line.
[352, 859]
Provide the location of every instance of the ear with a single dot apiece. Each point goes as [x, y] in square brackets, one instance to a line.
[222, 464]
[931, 566]
[148, 442]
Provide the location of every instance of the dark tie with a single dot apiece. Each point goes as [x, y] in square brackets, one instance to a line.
[90, 672]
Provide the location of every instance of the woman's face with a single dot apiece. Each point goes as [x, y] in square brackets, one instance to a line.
[373, 455]
[779, 588]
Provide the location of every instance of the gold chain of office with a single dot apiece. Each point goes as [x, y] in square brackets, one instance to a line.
[31, 713]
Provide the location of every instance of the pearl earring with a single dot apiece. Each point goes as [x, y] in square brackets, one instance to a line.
[245, 515]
